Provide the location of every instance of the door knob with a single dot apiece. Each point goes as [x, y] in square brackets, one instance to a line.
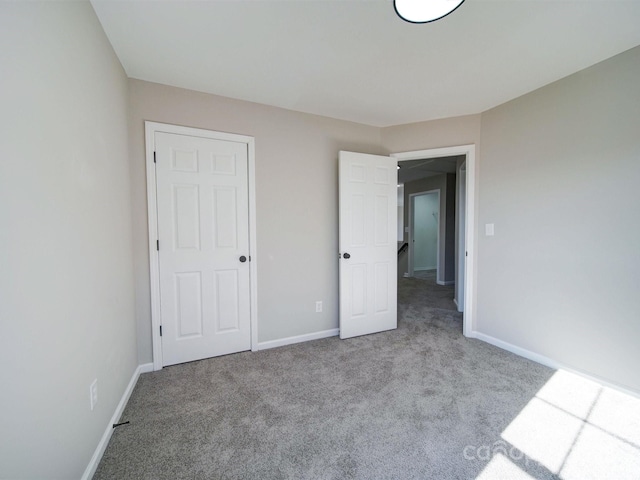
[346, 255]
[243, 259]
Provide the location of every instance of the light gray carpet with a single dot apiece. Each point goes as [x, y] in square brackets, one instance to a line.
[402, 404]
[425, 275]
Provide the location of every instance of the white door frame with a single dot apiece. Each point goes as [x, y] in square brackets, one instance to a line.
[468, 322]
[154, 272]
[411, 252]
[461, 186]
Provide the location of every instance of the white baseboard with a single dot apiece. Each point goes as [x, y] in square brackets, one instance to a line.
[298, 339]
[104, 441]
[448, 282]
[549, 362]
[455, 302]
[146, 367]
[509, 347]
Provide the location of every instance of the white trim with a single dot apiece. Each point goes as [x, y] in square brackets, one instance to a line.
[146, 368]
[522, 352]
[469, 315]
[253, 248]
[461, 187]
[468, 319]
[298, 339]
[150, 130]
[434, 153]
[549, 362]
[154, 270]
[445, 283]
[106, 436]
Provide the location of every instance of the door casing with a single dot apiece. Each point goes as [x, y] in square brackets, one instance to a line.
[154, 272]
[461, 205]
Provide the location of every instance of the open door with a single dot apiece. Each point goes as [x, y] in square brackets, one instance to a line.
[368, 246]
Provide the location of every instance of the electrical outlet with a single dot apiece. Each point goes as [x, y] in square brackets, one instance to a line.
[318, 306]
[93, 393]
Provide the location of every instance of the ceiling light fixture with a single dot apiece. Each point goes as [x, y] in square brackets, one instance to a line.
[424, 11]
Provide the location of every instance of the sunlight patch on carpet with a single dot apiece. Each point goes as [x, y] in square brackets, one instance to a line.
[579, 430]
[501, 467]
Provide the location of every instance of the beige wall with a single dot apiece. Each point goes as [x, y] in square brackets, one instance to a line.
[66, 277]
[448, 132]
[297, 201]
[559, 178]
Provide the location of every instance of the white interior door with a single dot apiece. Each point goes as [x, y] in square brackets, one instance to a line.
[203, 232]
[368, 247]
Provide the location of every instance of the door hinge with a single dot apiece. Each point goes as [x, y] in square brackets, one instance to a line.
[160, 330]
[249, 257]
[154, 157]
[158, 245]
[466, 254]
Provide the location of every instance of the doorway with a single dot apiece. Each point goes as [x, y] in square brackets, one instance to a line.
[465, 223]
[424, 232]
[200, 191]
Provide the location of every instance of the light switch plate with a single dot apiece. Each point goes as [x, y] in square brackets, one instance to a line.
[93, 394]
[489, 230]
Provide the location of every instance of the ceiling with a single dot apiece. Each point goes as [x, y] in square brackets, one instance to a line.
[356, 60]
